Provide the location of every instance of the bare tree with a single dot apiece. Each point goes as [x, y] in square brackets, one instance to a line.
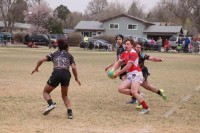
[113, 9]
[163, 12]
[194, 13]
[38, 15]
[73, 19]
[12, 11]
[95, 7]
[187, 11]
[136, 10]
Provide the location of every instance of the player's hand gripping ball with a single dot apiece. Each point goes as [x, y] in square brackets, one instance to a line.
[111, 74]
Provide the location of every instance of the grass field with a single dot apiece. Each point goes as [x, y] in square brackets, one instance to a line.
[97, 105]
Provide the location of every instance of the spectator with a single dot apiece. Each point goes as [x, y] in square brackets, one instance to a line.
[152, 42]
[195, 44]
[179, 48]
[159, 43]
[190, 48]
[5, 39]
[166, 45]
[85, 39]
[90, 44]
[187, 42]
[198, 45]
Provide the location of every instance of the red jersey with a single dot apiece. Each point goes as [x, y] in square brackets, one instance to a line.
[131, 57]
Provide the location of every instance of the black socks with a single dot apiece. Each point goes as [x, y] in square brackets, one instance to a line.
[50, 102]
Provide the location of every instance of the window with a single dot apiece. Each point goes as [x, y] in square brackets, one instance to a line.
[114, 26]
[132, 26]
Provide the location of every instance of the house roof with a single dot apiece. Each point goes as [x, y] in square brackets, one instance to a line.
[89, 25]
[164, 24]
[23, 25]
[125, 15]
[163, 29]
[18, 25]
[67, 31]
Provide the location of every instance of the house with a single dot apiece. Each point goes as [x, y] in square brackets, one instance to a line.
[165, 32]
[90, 28]
[18, 27]
[68, 31]
[127, 25]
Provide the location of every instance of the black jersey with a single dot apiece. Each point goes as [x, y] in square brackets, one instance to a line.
[142, 58]
[120, 50]
[61, 59]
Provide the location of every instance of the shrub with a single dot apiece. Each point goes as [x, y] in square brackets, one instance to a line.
[18, 37]
[75, 38]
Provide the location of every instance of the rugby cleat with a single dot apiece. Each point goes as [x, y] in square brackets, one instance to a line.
[163, 95]
[144, 111]
[49, 109]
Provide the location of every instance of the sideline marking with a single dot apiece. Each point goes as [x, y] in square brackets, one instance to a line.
[184, 99]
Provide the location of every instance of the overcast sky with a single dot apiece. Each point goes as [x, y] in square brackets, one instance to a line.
[80, 5]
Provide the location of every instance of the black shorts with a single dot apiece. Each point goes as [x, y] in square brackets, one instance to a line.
[145, 73]
[61, 76]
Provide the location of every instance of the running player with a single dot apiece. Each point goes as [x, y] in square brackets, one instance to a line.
[134, 74]
[62, 60]
[120, 48]
[146, 84]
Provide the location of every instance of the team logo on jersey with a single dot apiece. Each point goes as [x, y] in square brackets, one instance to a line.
[131, 57]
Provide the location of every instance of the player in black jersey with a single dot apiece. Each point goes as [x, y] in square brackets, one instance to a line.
[62, 61]
[142, 58]
[120, 48]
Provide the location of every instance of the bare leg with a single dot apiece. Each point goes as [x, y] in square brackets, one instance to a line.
[46, 92]
[134, 91]
[124, 88]
[149, 87]
[64, 92]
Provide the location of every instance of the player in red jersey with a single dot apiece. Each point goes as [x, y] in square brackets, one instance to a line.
[134, 75]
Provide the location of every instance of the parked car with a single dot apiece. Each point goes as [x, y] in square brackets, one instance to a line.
[131, 37]
[174, 40]
[1, 37]
[40, 39]
[9, 36]
[102, 44]
[147, 43]
[54, 39]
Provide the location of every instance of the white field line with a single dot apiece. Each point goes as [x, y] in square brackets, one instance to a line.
[184, 99]
[99, 131]
[145, 129]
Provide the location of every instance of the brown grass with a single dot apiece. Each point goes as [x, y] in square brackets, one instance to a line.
[97, 105]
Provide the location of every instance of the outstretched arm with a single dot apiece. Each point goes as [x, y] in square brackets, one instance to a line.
[109, 66]
[116, 65]
[75, 73]
[39, 63]
[154, 59]
[124, 69]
